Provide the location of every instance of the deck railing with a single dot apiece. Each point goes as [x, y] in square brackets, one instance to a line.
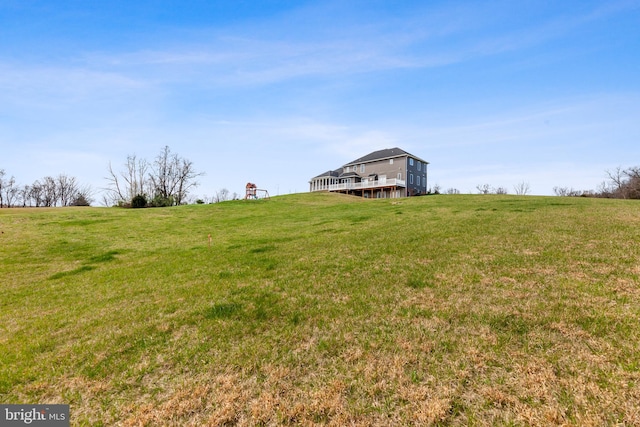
[364, 185]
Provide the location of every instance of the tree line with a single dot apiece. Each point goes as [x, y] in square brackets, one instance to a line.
[520, 189]
[165, 181]
[61, 190]
[621, 184]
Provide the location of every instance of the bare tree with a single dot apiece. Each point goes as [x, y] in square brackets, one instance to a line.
[24, 192]
[49, 191]
[222, 196]
[10, 191]
[172, 177]
[130, 182]
[186, 180]
[67, 189]
[167, 181]
[115, 190]
[567, 192]
[35, 194]
[501, 190]
[562, 191]
[522, 188]
[483, 188]
[605, 189]
[452, 191]
[623, 183]
[137, 176]
[617, 178]
[2, 174]
[163, 176]
[632, 183]
[107, 199]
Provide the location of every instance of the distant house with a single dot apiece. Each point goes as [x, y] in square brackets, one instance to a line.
[389, 173]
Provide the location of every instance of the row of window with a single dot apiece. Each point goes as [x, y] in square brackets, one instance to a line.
[424, 180]
[419, 165]
[355, 168]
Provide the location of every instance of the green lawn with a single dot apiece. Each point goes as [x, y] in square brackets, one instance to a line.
[326, 309]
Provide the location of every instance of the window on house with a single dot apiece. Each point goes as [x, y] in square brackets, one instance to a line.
[410, 162]
[362, 168]
[390, 161]
[419, 165]
[418, 180]
[411, 178]
[399, 175]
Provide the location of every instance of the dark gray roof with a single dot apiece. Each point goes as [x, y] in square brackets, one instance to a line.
[387, 153]
[327, 174]
[348, 174]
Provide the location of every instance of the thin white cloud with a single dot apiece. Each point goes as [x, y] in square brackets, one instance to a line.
[57, 86]
[432, 38]
[235, 56]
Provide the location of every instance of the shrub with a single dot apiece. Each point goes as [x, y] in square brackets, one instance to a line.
[139, 201]
[80, 200]
[161, 202]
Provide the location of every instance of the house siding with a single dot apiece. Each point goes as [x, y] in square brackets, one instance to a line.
[413, 172]
[386, 173]
[384, 167]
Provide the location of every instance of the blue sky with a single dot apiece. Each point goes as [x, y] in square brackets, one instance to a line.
[276, 92]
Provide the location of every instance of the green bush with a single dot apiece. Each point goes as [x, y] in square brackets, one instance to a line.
[81, 200]
[161, 202]
[139, 201]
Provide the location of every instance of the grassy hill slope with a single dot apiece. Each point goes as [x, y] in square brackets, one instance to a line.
[320, 308]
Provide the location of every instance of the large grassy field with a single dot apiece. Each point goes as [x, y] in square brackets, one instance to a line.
[326, 309]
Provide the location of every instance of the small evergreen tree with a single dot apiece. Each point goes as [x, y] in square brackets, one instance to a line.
[80, 200]
[139, 201]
